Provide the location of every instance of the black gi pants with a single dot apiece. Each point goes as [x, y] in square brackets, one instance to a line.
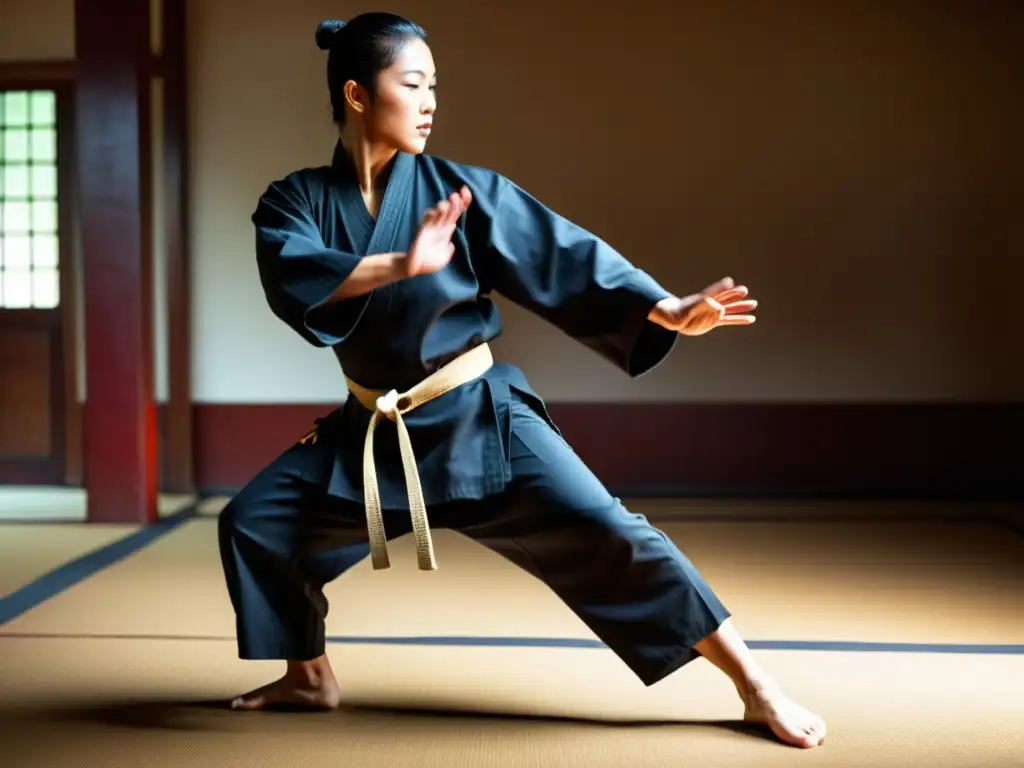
[282, 538]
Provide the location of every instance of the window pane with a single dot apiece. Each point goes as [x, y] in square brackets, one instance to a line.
[17, 251]
[15, 181]
[17, 288]
[44, 181]
[16, 108]
[15, 145]
[45, 288]
[15, 218]
[43, 108]
[29, 209]
[44, 251]
[44, 216]
[44, 145]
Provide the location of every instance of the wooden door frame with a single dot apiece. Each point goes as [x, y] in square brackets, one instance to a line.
[57, 76]
[177, 456]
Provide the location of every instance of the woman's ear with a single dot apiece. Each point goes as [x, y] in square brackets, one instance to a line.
[356, 97]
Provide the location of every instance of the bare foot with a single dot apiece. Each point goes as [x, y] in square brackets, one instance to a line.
[305, 684]
[767, 705]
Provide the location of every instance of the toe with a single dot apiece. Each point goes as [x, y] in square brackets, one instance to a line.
[247, 702]
[816, 733]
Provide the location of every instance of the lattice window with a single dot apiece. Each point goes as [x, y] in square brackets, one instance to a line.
[29, 263]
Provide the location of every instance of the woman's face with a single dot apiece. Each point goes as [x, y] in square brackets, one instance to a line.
[403, 110]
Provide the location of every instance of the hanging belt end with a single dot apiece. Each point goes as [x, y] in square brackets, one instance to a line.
[427, 561]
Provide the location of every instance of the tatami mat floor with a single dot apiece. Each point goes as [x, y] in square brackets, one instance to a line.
[906, 633]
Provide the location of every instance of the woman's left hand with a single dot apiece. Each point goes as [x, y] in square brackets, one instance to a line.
[722, 303]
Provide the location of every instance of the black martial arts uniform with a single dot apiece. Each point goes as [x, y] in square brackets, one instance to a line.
[491, 462]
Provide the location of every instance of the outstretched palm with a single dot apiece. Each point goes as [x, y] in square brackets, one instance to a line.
[722, 303]
[433, 247]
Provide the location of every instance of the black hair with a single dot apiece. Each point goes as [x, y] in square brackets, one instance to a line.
[360, 49]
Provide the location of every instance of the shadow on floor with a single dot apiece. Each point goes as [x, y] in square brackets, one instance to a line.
[199, 716]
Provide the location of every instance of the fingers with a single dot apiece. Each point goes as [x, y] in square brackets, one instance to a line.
[457, 207]
[740, 306]
[459, 202]
[723, 285]
[447, 212]
[730, 294]
[712, 306]
[437, 216]
[735, 300]
[709, 313]
[431, 217]
[738, 320]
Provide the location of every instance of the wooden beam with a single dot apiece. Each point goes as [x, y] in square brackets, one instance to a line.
[177, 447]
[49, 73]
[113, 142]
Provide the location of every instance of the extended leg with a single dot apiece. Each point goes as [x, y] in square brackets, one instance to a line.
[625, 579]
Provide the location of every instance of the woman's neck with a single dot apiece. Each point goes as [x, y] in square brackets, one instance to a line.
[370, 160]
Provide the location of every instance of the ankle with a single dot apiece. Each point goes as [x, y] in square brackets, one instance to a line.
[755, 689]
[313, 673]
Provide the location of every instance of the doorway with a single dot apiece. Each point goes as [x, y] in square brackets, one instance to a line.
[39, 410]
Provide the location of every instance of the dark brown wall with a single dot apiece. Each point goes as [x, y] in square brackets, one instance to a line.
[856, 163]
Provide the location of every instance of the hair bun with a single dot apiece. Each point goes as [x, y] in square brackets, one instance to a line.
[327, 33]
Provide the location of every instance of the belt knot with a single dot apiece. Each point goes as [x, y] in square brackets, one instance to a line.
[392, 405]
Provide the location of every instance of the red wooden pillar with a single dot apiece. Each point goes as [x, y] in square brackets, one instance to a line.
[113, 142]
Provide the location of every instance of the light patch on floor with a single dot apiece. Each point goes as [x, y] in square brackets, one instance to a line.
[41, 504]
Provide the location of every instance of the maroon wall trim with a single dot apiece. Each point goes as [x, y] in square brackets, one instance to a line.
[670, 449]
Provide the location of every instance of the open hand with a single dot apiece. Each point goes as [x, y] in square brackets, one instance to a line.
[433, 247]
[722, 303]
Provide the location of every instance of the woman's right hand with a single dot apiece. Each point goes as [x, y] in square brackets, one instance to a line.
[433, 247]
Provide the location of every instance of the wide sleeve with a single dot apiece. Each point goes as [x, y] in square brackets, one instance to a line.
[576, 281]
[298, 272]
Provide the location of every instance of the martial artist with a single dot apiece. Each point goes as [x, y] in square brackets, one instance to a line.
[390, 258]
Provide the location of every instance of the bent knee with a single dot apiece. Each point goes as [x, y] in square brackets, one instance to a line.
[236, 516]
[250, 513]
[267, 502]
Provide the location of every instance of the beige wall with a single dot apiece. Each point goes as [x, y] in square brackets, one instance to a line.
[857, 165]
[36, 29]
